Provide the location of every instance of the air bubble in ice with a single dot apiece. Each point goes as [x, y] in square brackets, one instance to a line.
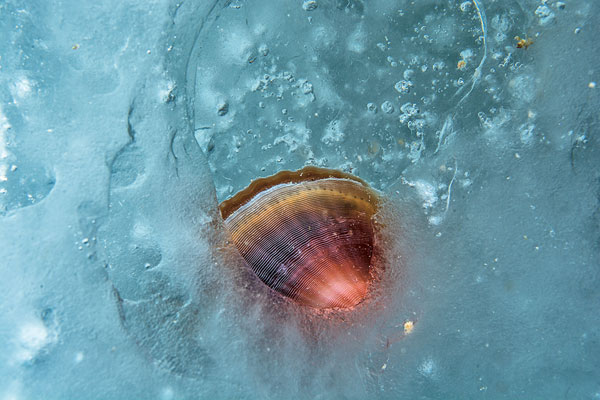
[307, 87]
[409, 109]
[387, 107]
[403, 86]
[526, 133]
[465, 6]
[545, 15]
[438, 66]
[309, 5]
[222, 108]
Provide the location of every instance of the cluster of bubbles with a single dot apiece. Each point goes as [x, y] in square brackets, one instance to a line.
[345, 96]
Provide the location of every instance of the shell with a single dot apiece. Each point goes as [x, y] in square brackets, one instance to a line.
[307, 234]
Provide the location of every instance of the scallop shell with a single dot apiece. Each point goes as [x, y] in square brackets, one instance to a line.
[307, 234]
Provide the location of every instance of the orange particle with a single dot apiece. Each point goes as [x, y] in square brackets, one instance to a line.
[461, 64]
[408, 327]
[523, 43]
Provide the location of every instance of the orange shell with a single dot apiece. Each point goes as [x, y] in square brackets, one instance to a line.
[307, 234]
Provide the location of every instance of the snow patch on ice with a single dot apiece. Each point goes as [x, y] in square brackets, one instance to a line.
[141, 230]
[523, 88]
[79, 356]
[166, 94]
[426, 192]
[21, 88]
[32, 337]
[11, 391]
[167, 393]
[323, 37]
[4, 127]
[427, 368]
[4, 153]
[236, 46]
[357, 42]
[334, 132]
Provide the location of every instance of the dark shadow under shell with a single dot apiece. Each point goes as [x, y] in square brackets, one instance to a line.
[307, 234]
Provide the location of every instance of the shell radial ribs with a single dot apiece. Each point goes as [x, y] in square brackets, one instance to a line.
[307, 234]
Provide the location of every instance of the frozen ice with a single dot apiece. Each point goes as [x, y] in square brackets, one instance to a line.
[124, 124]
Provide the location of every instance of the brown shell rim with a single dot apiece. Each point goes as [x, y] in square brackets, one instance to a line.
[308, 173]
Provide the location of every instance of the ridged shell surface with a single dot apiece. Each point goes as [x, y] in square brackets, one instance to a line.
[310, 240]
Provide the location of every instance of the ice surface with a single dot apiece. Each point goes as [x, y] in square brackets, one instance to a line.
[122, 124]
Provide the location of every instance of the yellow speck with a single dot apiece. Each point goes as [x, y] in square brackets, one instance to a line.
[592, 85]
[383, 367]
[401, 142]
[461, 64]
[75, 46]
[525, 237]
[523, 43]
[408, 327]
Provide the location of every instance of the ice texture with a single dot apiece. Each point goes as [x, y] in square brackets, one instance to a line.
[124, 124]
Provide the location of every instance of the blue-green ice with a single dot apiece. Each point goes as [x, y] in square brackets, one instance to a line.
[123, 124]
